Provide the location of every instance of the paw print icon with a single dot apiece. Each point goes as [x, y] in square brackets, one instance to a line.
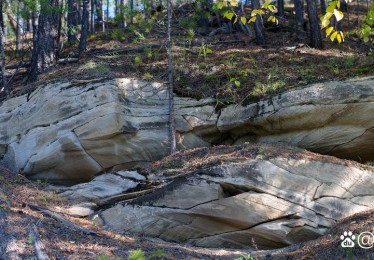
[347, 239]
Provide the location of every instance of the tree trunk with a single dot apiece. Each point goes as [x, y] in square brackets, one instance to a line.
[92, 24]
[323, 6]
[45, 40]
[18, 32]
[83, 39]
[299, 13]
[171, 83]
[258, 26]
[107, 11]
[280, 7]
[72, 21]
[4, 87]
[315, 30]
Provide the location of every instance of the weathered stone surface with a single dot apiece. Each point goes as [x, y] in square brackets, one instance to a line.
[331, 118]
[69, 133]
[271, 202]
[103, 186]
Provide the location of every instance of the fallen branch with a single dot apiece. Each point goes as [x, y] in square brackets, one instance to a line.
[62, 220]
[38, 244]
[17, 66]
[128, 196]
[67, 60]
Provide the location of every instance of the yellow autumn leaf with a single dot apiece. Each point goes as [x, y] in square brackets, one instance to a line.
[338, 15]
[243, 20]
[252, 20]
[221, 4]
[325, 23]
[234, 3]
[333, 36]
[329, 30]
[339, 38]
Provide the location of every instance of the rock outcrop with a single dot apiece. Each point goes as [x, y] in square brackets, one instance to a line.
[333, 118]
[70, 132]
[246, 197]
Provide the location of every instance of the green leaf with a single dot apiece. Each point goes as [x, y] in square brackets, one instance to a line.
[237, 83]
[243, 20]
[228, 15]
[252, 20]
[338, 15]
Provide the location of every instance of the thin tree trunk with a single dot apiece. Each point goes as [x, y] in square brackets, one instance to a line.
[107, 10]
[45, 40]
[4, 87]
[259, 28]
[18, 32]
[72, 21]
[315, 30]
[83, 39]
[280, 7]
[92, 25]
[103, 15]
[299, 13]
[171, 85]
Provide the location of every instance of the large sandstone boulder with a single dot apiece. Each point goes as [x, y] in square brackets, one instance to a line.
[70, 132]
[334, 118]
[245, 197]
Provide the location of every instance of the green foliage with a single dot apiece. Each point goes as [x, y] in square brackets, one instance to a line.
[159, 253]
[227, 10]
[117, 34]
[93, 68]
[136, 255]
[102, 256]
[204, 51]
[245, 257]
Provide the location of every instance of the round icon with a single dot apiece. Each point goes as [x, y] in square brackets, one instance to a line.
[366, 240]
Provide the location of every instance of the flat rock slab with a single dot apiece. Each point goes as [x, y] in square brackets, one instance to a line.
[237, 198]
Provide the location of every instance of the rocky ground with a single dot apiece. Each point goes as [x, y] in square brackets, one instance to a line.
[31, 216]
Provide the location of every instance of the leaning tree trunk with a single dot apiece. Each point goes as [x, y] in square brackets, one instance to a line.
[280, 7]
[84, 32]
[45, 40]
[171, 83]
[258, 26]
[315, 30]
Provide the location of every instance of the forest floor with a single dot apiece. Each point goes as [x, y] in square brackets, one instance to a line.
[29, 227]
[232, 68]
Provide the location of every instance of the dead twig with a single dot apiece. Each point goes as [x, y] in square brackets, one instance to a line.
[38, 244]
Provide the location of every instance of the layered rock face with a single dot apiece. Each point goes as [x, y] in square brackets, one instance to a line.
[330, 118]
[70, 132]
[265, 202]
